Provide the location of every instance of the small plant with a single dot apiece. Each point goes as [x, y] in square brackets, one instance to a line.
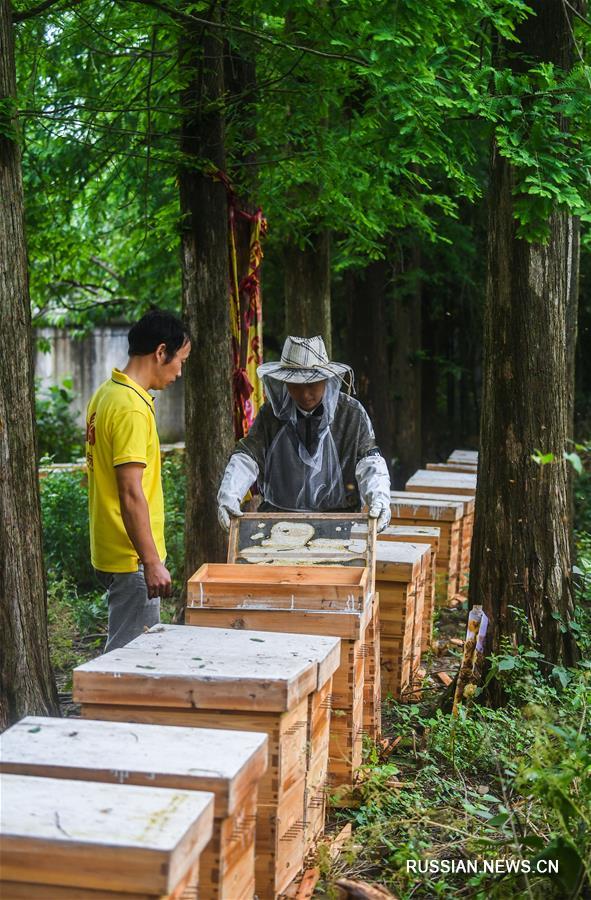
[59, 436]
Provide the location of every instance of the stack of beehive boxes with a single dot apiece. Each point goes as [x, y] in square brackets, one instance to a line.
[227, 764]
[306, 597]
[451, 484]
[240, 681]
[424, 511]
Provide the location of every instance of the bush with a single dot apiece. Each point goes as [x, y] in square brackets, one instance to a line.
[58, 434]
[77, 626]
[174, 484]
[64, 513]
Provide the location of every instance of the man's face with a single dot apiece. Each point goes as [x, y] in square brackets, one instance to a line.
[167, 372]
[307, 396]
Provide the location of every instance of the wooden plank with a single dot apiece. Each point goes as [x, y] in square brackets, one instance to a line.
[205, 759]
[424, 507]
[336, 622]
[468, 502]
[207, 668]
[442, 482]
[468, 468]
[463, 456]
[104, 836]
[320, 648]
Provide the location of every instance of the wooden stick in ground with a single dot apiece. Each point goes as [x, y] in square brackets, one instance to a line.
[467, 666]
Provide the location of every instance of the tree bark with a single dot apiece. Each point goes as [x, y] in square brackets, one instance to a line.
[307, 289]
[27, 685]
[368, 348]
[406, 379]
[205, 293]
[521, 554]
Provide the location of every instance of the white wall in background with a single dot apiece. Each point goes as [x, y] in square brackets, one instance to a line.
[88, 362]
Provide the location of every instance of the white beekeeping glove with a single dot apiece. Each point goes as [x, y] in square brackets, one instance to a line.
[373, 479]
[241, 472]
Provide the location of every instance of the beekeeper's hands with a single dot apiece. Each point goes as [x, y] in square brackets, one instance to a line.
[241, 472]
[382, 514]
[373, 479]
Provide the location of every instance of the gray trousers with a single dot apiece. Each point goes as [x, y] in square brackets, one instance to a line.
[130, 608]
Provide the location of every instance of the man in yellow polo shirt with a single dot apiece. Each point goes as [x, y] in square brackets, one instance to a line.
[126, 503]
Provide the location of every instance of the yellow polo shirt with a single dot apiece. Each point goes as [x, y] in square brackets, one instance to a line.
[121, 428]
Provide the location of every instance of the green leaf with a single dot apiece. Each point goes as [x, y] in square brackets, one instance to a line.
[542, 459]
[562, 675]
[507, 663]
[575, 460]
[499, 819]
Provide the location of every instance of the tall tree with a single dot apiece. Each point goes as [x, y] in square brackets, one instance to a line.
[521, 554]
[205, 275]
[406, 372]
[26, 679]
[368, 293]
[307, 288]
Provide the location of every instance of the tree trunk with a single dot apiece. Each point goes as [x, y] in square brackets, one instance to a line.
[307, 289]
[520, 554]
[205, 289]
[27, 685]
[406, 379]
[368, 349]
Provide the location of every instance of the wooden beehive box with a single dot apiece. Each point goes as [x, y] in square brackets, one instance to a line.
[346, 723]
[419, 534]
[466, 532]
[228, 764]
[468, 456]
[235, 680]
[401, 570]
[318, 718]
[317, 541]
[442, 482]
[76, 840]
[278, 587]
[415, 509]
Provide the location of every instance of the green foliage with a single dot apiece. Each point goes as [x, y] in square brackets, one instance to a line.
[58, 436]
[64, 514]
[396, 139]
[491, 784]
[510, 783]
[174, 484]
[76, 623]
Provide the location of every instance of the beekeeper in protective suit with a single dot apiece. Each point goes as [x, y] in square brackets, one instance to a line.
[312, 447]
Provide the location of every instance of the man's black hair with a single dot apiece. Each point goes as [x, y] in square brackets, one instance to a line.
[155, 328]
